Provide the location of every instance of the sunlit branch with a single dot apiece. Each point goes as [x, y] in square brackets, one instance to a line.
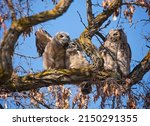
[140, 70]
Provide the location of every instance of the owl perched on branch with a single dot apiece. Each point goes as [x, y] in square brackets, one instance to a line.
[116, 52]
[75, 58]
[53, 49]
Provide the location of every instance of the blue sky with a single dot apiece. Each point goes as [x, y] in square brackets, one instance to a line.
[70, 22]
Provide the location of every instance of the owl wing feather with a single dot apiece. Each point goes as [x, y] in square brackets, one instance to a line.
[42, 39]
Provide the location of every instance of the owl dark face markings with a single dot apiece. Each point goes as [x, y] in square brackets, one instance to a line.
[114, 35]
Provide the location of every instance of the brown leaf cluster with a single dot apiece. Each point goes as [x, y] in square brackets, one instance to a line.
[128, 12]
[2, 23]
[36, 97]
[3, 95]
[106, 3]
[131, 102]
[109, 88]
[61, 96]
[27, 32]
[81, 101]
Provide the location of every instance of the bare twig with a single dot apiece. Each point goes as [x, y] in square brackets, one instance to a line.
[21, 55]
[12, 10]
[90, 16]
[105, 26]
[101, 36]
[28, 7]
[81, 20]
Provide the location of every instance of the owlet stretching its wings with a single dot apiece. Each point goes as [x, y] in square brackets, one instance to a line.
[53, 49]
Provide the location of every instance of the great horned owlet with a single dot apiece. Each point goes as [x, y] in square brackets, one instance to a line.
[75, 58]
[53, 49]
[116, 52]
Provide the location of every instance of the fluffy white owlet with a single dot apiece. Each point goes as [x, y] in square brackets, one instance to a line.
[116, 52]
[75, 58]
[52, 49]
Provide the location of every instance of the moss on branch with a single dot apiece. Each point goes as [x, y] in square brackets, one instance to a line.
[74, 76]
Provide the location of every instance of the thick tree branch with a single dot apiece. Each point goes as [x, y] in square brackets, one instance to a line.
[74, 76]
[6, 53]
[140, 70]
[55, 77]
[47, 78]
[17, 27]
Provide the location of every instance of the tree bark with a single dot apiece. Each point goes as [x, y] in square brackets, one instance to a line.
[140, 70]
[74, 76]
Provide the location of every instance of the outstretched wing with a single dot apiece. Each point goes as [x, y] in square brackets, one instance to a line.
[42, 38]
